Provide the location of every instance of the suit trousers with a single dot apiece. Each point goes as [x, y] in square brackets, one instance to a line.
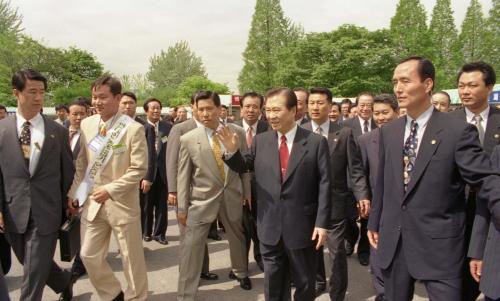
[4, 293]
[338, 260]
[36, 252]
[95, 237]
[192, 252]
[251, 235]
[205, 267]
[5, 254]
[156, 209]
[278, 261]
[376, 274]
[399, 285]
[470, 288]
[142, 203]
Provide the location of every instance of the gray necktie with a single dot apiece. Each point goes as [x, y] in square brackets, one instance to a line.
[477, 122]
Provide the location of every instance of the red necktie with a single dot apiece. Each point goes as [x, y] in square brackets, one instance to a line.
[283, 157]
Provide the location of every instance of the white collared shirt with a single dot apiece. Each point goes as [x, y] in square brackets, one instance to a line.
[484, 115]
[362, 122]
[290, 136]
[155, 126]
[74, 139]
[422, 121]
[37, 129]
[325, 126]
[246, 127]
[198, 124]
[210, 133]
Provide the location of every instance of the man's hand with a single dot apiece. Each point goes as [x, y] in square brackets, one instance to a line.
[476, 266]
[373, 238]
[320, 234]
[229, 139]
[72, 207]
[172, 198]
[2, 225]
[182, 218]
[145, 186]
[364, 208]
[100, 195]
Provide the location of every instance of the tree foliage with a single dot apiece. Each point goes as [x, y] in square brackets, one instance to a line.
[471, 41]
[138, 84]
[168, 69]
[492, 36]
[196, 83]
[10, 19]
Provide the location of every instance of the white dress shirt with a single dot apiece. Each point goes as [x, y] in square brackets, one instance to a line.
[422, 121]
[74, 140]
[246, 126]
[484, 115]
[37, 129]
[362, 122]
[325, 127]
[290, 136]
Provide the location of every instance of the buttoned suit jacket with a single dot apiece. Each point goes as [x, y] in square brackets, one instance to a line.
[200, 189]
[355, 125]
[344, 158]
[173, 148]
[289, 211]
[120, 177]
[429, 217]
[158, 162]
[43, 194]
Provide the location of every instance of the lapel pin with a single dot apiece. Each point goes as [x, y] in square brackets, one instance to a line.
[496, 136]
[52, 136]
[335, 139]
[433, 141]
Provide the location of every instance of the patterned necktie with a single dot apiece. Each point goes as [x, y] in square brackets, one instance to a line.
[25, 140]
[283, 157]
[477, 122]
[218, 156]
[365, 127]
[410, 153]
[249, 136]
[102, 130]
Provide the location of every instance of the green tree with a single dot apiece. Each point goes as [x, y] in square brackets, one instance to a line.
[270, 31]
[409, 29]
[471, 38]
[443, 36]
[492, 37]
[169, 68]
[138, 84]
[64, 95]
[10, 19]
[196, 83]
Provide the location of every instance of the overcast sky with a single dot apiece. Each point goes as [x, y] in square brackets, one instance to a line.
[124, 34]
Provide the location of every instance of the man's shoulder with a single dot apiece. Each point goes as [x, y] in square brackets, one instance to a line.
[185, 126]
[237, 128]
[350, 122]
[190, 135]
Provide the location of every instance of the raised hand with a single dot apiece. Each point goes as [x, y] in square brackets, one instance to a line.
[229, 139]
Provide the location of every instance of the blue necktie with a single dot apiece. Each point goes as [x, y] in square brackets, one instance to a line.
[410, 153]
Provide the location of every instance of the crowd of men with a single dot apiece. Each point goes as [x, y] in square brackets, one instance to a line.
[416, 188]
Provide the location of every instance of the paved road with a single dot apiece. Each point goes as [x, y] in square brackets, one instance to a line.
[162, 265]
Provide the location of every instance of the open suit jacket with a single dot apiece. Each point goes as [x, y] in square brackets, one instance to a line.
[354, 124]
[289, 211]
[485, 242]
[344, 156]
[430, 216]
[43, 194]
[157, 162]
[199, 185]
[120, 176]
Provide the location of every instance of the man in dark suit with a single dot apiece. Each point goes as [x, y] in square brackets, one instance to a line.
[475, 83]
[172, 169]
[292, 170]
[36, 171]
[155, 182]
[361, 124]
[302, 96]
[62, 112]
[251, 104]
[345, 160]
[484, 248]
[385, 109]
[128, 106]
[345, 109]
[417, 222]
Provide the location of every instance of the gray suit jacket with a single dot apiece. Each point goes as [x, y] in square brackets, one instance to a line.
[43, 193]
[172, 155]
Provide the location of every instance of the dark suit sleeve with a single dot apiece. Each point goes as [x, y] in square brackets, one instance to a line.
[377, 199]
[151, 152]
[359, 183]
[2, 192]
[242, 161]
[324, 200]
[67, 167]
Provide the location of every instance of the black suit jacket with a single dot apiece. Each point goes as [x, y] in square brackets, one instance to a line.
[429, 217]
[289, 211]
[369, 147]
[344, 157]
[354, 124]
[157, 161]
[262, 126]
[140, 120]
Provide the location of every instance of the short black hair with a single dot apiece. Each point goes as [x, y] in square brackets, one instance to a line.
[150, 100]
[114, 84]
[80, 101]
[291, 98]
[62, 107]
[20, 78]
[252, 95]
[364, 93]
[324, 91]
[425, 68]
[336, 104]
[346, 101]
[131, 95]
[388, 99]
[2, 107]
[489, 76]
[205, 94]
[224, 107]
[300, 89]
[445, 94]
